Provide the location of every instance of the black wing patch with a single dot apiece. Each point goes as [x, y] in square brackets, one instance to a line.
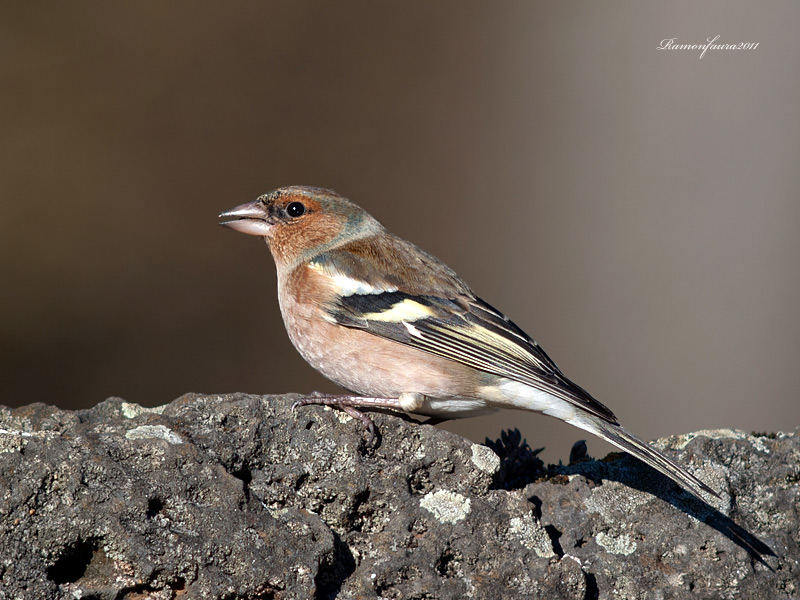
[468, 331]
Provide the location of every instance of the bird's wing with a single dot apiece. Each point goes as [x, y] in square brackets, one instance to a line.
[462, 328]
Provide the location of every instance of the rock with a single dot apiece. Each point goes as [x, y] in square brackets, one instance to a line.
[235, 496]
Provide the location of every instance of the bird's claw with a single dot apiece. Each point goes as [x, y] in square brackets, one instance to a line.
[342, 403]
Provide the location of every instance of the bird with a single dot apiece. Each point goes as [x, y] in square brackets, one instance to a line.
[399, 329]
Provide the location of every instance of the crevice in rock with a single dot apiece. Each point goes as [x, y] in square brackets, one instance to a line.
[554, 535]
[245, 476]
[335, 570]
[154, 506]
[592, 591]
[537, 506]
[71, 565]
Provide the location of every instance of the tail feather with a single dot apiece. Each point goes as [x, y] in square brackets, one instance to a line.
[628, 442]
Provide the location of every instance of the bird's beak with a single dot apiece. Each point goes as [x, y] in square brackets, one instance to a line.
[250, 218]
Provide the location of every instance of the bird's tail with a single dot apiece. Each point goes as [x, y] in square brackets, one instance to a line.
[628, 442]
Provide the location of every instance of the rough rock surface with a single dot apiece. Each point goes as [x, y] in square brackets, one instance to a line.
[235, 496]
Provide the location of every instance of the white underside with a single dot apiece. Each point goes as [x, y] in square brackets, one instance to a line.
[454, 408]
[508, 393]
[503, 393]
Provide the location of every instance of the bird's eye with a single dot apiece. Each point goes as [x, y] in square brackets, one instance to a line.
[295, 209]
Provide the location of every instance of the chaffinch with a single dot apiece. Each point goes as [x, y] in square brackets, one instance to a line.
[388, 321]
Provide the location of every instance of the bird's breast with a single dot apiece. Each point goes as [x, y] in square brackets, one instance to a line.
[373, 366]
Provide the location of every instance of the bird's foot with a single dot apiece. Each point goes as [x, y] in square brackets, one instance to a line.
[350, 405]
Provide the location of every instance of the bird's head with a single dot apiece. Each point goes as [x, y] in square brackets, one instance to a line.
[299, 222]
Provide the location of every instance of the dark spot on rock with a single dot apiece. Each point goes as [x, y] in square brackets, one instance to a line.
[154, 506]
[244, 474]
[592, 591]
[72, 563]
[554, 535]
[334, 570]
[446, 565]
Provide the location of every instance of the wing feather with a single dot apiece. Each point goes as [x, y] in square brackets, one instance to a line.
[468, 331]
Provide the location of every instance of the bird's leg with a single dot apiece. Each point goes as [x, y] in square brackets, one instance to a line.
[350, 405]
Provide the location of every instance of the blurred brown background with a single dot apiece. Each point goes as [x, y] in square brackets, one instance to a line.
[637, 211]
